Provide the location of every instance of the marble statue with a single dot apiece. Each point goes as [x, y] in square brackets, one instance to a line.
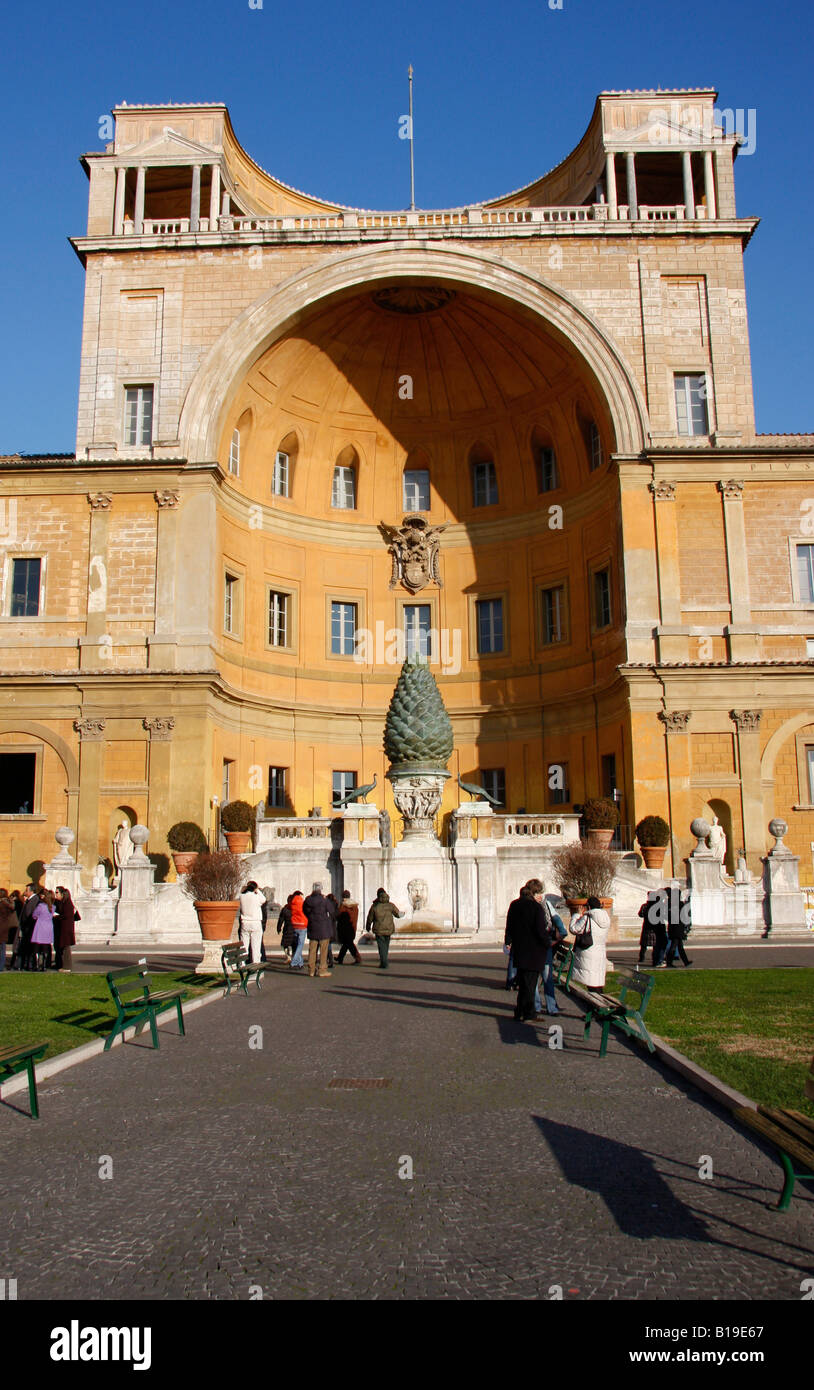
[716, 840]
[122, 845]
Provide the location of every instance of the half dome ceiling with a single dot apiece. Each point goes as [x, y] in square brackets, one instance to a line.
[468, 358]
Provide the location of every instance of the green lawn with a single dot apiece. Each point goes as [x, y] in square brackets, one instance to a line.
[73, 1009]
[752, 1028]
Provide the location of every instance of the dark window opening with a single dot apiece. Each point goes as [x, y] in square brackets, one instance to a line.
[17, 773]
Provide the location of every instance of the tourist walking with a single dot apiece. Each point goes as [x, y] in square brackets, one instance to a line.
[285, 930]
[252, 903]
[347, 920]
[25, 951]
[299, 926]
[529, 938]
[42, 936]
[335, 905]
[64, 930]
[590, 930]
[678, 927]
[653, 913]
[557, 932]
[320, 915]
[381, 921]
[15, 897]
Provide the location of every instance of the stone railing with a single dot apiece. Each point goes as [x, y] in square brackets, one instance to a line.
[317, 224]
[511, 827]
[294, 828]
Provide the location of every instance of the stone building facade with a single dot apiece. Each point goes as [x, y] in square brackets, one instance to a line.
[197, 605]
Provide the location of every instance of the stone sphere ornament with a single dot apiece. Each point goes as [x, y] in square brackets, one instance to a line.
[64, 836]
[778, 828]
[700, 828]
[139, 834]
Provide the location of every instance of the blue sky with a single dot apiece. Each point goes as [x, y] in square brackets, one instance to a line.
[315, 91]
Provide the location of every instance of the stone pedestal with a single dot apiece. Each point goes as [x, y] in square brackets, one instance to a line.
[63, 870]
[134, 914]
[781, 879]
[361, 824]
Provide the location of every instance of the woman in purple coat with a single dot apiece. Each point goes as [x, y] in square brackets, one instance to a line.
[42, 937]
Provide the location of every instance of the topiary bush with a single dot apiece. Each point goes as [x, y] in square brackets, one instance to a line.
[652, 830]
[601, 813]
[237, 815]
[185, 837]
[215, 878]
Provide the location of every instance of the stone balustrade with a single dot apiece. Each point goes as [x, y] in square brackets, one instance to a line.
[294, 828]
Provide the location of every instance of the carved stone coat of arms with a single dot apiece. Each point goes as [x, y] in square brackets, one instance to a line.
[414, 548]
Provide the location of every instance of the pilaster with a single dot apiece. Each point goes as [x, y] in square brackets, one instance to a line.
[91, 733]
[747, 723]
[679, 768]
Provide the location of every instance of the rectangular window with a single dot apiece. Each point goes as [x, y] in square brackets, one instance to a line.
[138, 415]
[547, 479]
[595, 439]
[489, 612]
[277, 791]
[17, 782]
[416, 490]
[278, 618]
[25, 588]
[691, 404]
[602, 599]
[558, 791]
[226, 781]
[810, 649]
[553, 614]
[417, 625]
[810, 767]
[484, 485]
[493, 780]
[279, 479]
[608, 774]
[342, 783]
[343, 629]
[234, 452]
[343, 493]
[805, 572]
[230, 604]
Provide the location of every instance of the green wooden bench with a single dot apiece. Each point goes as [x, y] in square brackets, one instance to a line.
[562, 964]
[238, 969]
[792, 1134]
[15, 1059]
[137, 1003]
[607, 1009]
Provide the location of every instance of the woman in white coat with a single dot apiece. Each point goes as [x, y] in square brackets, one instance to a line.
[590, 962]
[252, 904]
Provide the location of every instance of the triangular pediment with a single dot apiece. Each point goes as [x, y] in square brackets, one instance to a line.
[662, 130]
[170, 144]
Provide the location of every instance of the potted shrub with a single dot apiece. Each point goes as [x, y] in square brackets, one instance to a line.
[585, 870]
[237, 819]
[601, 817]
[653, 834]
[214, 882]
[186, 840]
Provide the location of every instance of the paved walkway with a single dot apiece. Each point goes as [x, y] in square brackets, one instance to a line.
[236, 1167]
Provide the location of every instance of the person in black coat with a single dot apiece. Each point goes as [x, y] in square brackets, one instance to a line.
[529, 936]
[321, 916]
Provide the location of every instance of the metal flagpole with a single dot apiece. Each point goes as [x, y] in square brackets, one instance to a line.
[412, 167]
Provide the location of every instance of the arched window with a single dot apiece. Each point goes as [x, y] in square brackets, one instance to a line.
[234, 453]
[416, 483]
[484, 476]
[592, 438]
[282, 472]
[343, 490]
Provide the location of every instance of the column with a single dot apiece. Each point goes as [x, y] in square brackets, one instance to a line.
[610, 184]
[162, 643]
[91, 752]
[689, 195]
[632, 195]
[195, 201]
[709, 186]
[679, 795]
[141, 176]
[96, 647]
[214, 198]
[741, 644]
[224, 205]
[160, 731]
[667, 552]
[747, 723]
[118, 212]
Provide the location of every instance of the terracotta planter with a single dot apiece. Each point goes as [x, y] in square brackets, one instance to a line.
[576, 905]
[239, 841]
[600, 837]
[216, 920]
[183, 860]
[653, 855]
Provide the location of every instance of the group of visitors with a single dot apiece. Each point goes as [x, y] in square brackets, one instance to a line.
[39, 927]
[321, 920]
[533, 929]
[666, 925]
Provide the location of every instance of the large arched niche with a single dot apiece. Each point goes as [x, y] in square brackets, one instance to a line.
[289, 305]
